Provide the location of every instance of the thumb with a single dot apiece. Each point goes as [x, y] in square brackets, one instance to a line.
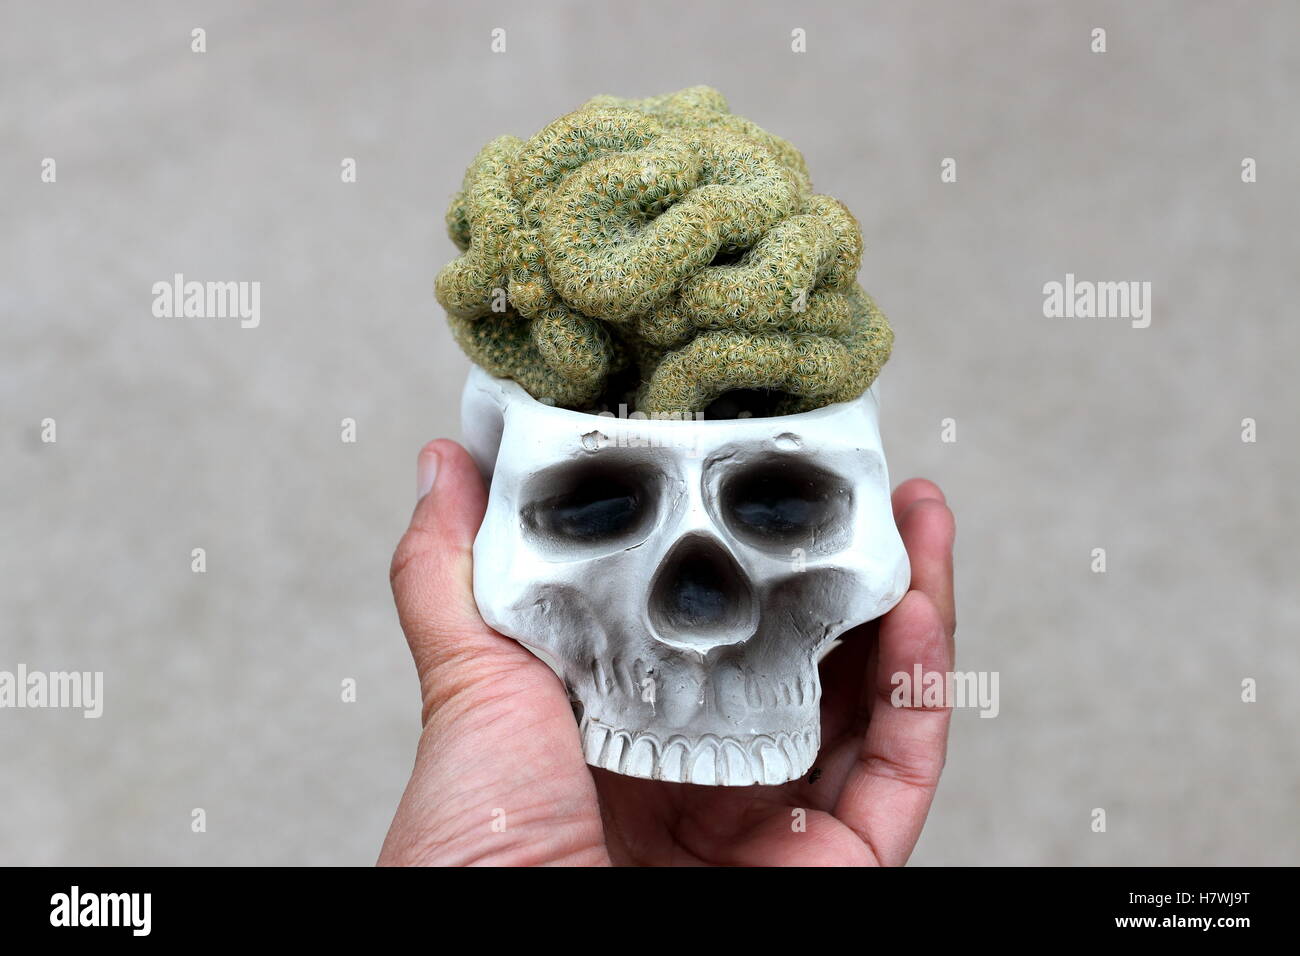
[432, 579]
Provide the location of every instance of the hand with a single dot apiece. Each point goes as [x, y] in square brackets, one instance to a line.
[499, 775]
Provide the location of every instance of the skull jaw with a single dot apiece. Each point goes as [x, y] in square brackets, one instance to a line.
[718, 724]
[675, 740]
[711, 760]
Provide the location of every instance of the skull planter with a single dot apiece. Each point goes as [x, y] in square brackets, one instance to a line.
[684, 577]
[682, 573]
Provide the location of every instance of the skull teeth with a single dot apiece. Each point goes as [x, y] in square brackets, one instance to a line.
[710, 760]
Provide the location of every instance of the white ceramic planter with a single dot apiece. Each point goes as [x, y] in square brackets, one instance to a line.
[684, 577]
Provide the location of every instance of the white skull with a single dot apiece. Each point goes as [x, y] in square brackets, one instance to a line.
[684, 577]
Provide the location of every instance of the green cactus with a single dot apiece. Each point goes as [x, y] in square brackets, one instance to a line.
[668, 236]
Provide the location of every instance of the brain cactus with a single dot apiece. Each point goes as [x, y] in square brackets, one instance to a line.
[666, 238]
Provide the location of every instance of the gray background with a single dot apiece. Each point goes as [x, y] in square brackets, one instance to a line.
[1119, 690]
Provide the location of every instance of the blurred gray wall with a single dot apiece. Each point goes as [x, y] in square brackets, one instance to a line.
[1119, 690]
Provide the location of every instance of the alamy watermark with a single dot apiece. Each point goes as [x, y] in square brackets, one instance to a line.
[129, 910]
[1083, 299]
[179, 299]
[68, 690]
[643, 433]
[921, 688]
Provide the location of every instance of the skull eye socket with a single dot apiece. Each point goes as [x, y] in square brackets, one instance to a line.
[589, 505]
[785, 502]
[593, 511]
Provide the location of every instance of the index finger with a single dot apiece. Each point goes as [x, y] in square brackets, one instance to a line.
[929, 531]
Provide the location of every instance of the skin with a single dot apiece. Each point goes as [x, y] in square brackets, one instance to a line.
[499, 735]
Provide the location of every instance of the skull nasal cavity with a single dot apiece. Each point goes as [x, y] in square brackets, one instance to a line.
[701, 597]
[699, 594]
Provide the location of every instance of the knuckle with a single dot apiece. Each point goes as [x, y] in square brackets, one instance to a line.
[415, 547]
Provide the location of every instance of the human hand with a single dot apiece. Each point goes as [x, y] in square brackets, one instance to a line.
[499, 775]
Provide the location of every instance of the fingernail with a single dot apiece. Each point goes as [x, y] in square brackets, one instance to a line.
[425, 473]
